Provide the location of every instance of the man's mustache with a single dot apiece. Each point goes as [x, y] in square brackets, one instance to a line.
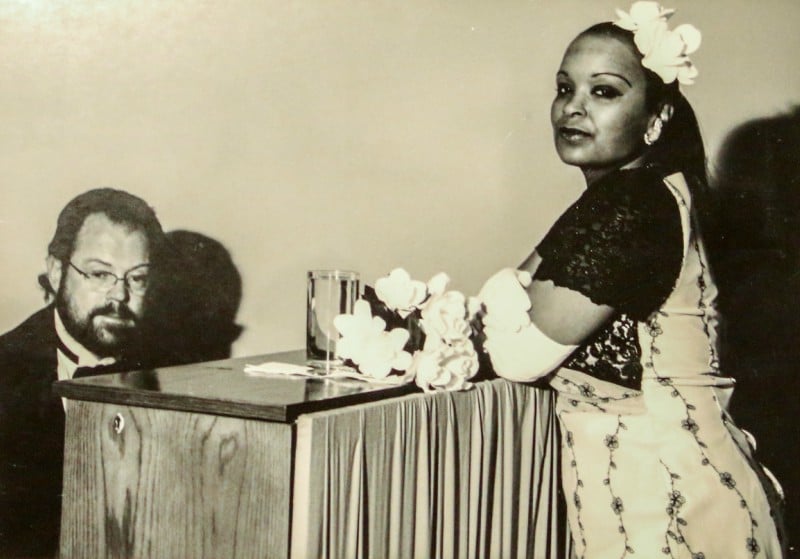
[114, 309]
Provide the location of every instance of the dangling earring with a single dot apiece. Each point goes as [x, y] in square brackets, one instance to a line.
[651, 136]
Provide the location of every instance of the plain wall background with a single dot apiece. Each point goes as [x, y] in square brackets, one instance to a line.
[361, 134]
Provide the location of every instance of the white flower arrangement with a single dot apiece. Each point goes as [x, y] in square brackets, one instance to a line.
[422, 331]
[665, 52]
[368, 345]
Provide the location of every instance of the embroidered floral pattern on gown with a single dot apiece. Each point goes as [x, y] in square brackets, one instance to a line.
[652, 464]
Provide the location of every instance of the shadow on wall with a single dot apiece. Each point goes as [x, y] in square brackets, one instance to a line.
[756, 258]
[193, 302]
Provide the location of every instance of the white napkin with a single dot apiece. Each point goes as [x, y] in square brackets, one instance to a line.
[276, 368]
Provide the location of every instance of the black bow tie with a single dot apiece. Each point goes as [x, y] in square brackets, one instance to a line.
[81, 372]
[84, 371]
[62, 347]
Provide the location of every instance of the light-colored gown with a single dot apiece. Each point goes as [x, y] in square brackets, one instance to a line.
[660, 469]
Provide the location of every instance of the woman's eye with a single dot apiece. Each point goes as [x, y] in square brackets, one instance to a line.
[562, 89]
[606, 91]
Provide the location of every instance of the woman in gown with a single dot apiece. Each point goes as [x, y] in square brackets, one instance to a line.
[619, 309]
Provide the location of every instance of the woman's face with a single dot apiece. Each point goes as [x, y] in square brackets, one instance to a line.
[599, 115]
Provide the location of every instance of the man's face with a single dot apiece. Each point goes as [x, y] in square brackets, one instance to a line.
[103, 320]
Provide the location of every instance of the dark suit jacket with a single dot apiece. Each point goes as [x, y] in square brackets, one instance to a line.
[31, 439]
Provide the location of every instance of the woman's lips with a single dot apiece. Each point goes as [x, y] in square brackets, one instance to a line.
[573, 134]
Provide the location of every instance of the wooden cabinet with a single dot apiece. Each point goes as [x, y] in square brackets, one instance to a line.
[146, 482]
[206, 461]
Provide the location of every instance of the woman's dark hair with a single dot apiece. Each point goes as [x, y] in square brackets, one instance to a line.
[119, 206]
[680, 147]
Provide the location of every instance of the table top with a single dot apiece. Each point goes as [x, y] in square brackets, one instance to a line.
[223, 388]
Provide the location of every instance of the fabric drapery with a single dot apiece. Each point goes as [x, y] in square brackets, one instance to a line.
[450, 475]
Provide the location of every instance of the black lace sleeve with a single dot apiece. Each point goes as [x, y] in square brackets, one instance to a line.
[620, 244]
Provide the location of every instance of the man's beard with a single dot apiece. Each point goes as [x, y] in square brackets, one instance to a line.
[104, 340]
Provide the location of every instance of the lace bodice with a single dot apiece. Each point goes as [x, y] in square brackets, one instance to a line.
[620, 245]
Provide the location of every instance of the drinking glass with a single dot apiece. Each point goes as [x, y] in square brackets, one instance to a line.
[330, 293]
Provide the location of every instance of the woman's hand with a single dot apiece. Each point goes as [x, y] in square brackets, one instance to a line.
[506, 302]
[532, 326]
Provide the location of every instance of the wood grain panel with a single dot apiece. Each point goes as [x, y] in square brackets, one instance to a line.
[174, 484]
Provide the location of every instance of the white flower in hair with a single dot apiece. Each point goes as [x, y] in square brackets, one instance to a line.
[665, 52]
[642, 14]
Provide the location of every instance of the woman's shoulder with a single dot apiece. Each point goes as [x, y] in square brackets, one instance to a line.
[635, 178]
[643, 188]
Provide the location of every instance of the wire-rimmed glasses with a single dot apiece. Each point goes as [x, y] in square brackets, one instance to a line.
[135, 281]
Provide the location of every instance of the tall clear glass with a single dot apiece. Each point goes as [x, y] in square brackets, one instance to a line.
[330, 293]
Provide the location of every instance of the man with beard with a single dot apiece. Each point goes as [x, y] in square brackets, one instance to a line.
[98, 265]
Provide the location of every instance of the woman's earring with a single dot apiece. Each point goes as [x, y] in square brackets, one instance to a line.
[652, 135]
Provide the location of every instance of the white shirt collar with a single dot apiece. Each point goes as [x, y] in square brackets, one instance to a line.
[66, 365]
[85, 357]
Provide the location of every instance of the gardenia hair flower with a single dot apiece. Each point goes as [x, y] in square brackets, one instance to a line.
[665, 52]
[642, 14]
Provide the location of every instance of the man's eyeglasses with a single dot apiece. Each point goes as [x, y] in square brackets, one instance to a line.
[103, 280]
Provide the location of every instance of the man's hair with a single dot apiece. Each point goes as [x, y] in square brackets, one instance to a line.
[118, 206]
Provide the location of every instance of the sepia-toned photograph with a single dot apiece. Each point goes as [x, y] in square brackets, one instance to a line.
[400, 279]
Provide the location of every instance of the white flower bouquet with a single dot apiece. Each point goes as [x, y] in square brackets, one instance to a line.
[420, 331]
